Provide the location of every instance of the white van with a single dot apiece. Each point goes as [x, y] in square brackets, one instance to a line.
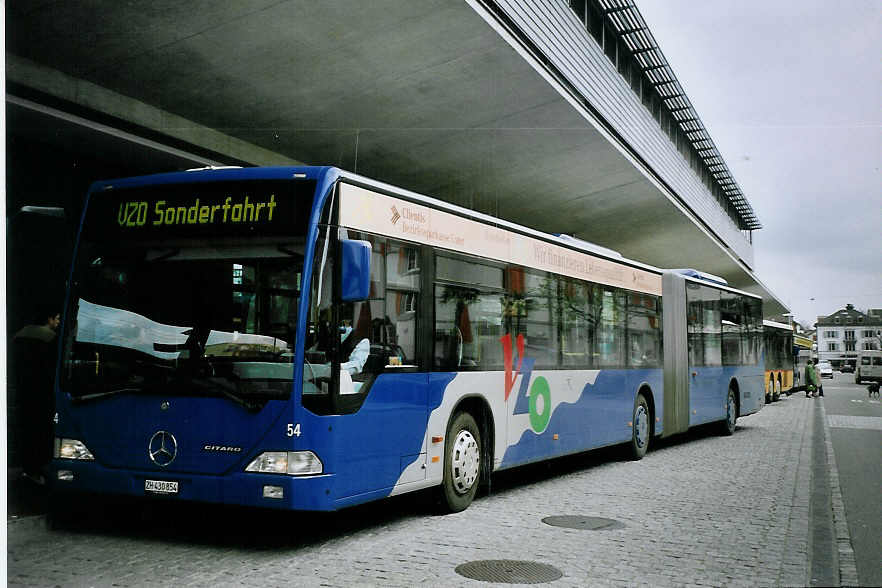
[869, 367]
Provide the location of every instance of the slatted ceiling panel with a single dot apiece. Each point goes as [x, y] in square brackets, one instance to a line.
[606, 97]
[627, 20]
[563, 40]
[708, 214]
[569, 46]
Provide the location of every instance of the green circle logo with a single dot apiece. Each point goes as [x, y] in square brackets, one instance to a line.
[540, 389]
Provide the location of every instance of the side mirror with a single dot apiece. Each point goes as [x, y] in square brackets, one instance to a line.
[356, 270]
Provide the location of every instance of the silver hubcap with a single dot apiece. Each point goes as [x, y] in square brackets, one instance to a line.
[731, 410]
[464, 462]
[641, 425]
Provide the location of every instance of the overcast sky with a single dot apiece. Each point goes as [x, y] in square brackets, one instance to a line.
[791, 92]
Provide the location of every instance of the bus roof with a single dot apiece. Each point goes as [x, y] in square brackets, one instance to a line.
[716, 285]
[704, 276]
[563, 240]
[213, 174]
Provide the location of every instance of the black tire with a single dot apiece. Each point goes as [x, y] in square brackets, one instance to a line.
[462, 463]
[641, 428]
[727, 427]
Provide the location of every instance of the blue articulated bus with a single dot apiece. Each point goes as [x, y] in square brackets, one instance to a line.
[306, 338]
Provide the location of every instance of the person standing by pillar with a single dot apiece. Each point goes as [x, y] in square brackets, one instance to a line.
[34, 352]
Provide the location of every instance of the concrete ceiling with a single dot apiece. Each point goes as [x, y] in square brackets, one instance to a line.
[422, 94]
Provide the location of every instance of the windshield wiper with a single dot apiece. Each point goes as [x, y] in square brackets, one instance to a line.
[284, 249]
[98, 395]
[162, 256]
[250, 406]
[222, 383]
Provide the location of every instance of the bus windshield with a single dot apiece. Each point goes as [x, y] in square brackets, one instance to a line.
[211, 314]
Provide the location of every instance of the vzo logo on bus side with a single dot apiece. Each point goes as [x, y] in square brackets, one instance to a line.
[534, 399]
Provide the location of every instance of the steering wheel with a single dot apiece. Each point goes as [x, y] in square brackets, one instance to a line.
[310, 378]
[316, 381]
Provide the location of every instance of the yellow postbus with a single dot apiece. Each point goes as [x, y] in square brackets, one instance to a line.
[778, 354]
[802, 353]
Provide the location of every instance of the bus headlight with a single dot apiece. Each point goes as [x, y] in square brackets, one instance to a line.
[291, 463]
[72, 449]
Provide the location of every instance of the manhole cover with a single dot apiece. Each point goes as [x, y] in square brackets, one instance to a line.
[583, 523]
[509, 571]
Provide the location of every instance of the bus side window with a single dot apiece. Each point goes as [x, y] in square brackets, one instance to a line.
[540, 315]
[577, 324]
[708, 334]
[361, 352]
[644, 331]
[610, 349]
[396, 331]
[468, 311]
[389, 318]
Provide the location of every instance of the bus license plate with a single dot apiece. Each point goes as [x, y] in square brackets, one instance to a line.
[161, 486]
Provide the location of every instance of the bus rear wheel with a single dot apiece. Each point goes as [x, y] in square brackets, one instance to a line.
[641, 428]
[462, 463]
[728, 425]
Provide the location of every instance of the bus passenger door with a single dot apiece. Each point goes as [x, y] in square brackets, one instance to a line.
[381, 432]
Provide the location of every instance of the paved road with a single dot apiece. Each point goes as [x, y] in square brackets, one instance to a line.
[855, 422]
[699, 510]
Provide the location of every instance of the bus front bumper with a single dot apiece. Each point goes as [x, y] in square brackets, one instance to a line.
[70, 477]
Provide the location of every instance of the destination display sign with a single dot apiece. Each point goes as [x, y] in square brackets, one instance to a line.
[205, 209]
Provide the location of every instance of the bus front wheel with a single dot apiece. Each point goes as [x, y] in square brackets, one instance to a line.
[462, 463]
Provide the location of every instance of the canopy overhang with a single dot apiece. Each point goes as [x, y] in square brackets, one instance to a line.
[424, 95]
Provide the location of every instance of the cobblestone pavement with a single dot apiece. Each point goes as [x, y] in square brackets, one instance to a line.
[699, 510]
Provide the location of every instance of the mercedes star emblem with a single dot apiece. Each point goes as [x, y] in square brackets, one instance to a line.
[163, 448]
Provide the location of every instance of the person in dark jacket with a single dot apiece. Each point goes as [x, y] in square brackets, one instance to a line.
[33, 356]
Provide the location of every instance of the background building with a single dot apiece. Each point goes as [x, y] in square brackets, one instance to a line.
[846, 332]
